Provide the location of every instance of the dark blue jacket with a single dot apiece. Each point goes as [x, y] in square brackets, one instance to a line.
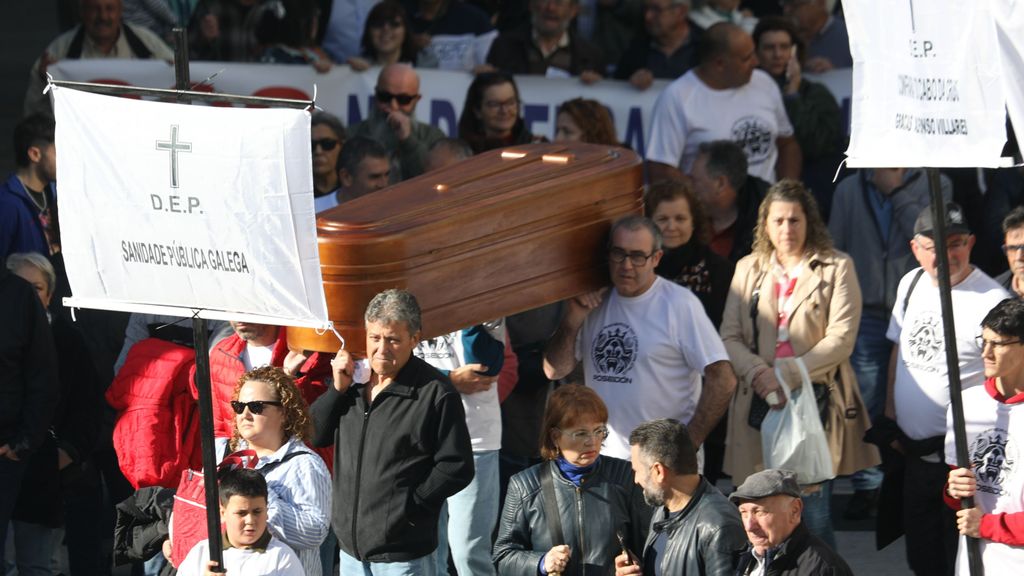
[20, 229]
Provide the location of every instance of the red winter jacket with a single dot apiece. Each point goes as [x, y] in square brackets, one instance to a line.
[226, 367]
[157, 430]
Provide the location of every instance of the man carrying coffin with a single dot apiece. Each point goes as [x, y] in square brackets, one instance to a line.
[401, 446]
[645, 344]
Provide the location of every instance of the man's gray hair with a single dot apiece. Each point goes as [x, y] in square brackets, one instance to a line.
[666, 441]
[634, 223]
[19, 260]
[725, 158]
[391, 306]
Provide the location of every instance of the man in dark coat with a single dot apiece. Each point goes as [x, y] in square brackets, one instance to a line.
[770, 505]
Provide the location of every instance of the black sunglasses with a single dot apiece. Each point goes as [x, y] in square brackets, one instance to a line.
[327, 144]
[256, 406]
[403, 99]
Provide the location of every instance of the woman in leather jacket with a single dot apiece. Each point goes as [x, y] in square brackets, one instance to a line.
[594, 496]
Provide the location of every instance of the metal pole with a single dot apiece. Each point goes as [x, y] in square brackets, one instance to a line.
[202, 349]
[952, 360]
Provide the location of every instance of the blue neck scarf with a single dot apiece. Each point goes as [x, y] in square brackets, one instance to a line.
[572, 472]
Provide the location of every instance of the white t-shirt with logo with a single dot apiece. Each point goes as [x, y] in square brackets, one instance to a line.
[995, 434]
[689, 113]
[483, 410]
[921, 390]
[645, 355]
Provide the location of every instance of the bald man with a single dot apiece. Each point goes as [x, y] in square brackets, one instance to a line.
[392, 122]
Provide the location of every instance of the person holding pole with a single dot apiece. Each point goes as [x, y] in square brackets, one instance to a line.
[994, 417]
[401, 445]
[918, 388]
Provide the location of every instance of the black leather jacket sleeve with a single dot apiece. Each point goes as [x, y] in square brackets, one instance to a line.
[513, 553]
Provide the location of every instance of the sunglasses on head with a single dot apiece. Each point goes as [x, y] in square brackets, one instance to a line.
[403, 99]
[327, 144]
[256, 406]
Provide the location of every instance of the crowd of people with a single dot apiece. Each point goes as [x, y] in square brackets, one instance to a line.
[620, 431]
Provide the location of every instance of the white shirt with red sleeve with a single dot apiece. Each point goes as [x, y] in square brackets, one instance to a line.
[995, 433]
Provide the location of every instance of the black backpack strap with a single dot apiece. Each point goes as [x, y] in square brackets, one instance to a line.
[75, 48]
[135, 43]
[913, 283]
[547, 488]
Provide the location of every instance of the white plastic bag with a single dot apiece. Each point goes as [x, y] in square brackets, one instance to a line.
[792, 438]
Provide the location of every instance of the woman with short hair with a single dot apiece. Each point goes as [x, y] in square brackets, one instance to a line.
[595, 497]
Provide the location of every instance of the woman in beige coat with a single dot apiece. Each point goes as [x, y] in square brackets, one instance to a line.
[806, 301]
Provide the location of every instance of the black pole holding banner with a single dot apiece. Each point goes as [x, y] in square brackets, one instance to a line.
[952, 359]
[200, 339]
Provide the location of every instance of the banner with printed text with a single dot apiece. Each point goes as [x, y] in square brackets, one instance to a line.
[192, 207]
[927, 84]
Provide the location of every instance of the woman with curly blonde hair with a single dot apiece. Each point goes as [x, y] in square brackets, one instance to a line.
[272, 418]
[795, 297]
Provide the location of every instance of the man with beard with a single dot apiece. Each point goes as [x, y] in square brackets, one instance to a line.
[695, 529]
[645, 344]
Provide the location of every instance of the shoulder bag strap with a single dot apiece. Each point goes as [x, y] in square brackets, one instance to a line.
[910, 290]
[266, 469]
[547, 487]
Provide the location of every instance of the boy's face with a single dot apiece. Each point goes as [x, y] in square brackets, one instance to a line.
[245, 519]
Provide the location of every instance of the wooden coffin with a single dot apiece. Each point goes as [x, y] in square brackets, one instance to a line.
[499, 233]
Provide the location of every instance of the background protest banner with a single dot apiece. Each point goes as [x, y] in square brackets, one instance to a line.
[187, 208]
[348, 94]
[927, 87]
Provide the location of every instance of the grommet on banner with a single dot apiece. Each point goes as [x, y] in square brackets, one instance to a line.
[330, 326]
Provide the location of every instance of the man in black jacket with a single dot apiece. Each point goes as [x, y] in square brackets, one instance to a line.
[401, 446]
[695, 530]
[769, 502]
[28, 386]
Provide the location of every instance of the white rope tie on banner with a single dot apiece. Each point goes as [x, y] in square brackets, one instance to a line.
[330, 326]
[49, 83]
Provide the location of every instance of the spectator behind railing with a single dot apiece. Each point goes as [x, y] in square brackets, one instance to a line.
[490, 116]
[582, 120]
[327, 135]
[286, 32]
[387, 38]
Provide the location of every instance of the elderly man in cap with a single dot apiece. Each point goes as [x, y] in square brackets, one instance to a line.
[770, 506]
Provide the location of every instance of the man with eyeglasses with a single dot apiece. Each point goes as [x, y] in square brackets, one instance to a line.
[645, 344]
[994, 423]
[392, 122]
[918, 388]
[1013, 246]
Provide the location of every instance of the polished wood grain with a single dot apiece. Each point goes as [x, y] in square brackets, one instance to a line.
[488, 237]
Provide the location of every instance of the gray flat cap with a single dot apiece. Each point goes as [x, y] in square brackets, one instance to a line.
[767, 483]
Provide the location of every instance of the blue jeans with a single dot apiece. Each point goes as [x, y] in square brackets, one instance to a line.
[11, 472]
[468, 519]
[817, 516]
[870, 361]
[424, 566]
[33, 548]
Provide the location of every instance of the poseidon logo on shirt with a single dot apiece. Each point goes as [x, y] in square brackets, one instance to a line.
[614, 353]
[755, 136]
[993, 456]
[926, 344]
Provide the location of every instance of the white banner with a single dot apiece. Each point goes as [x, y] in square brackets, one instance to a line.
[1009, 18]
[347, 94]
[188, 207]
[927, 87]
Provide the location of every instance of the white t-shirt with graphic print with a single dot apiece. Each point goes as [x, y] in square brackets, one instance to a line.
[921, 389]
[689, 113]
[645, 356]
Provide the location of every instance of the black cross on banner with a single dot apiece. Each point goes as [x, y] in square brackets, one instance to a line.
[173, 146]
